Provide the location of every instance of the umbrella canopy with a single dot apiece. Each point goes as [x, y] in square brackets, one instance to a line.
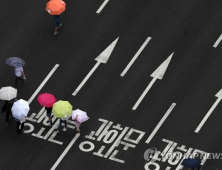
[82, 116]
[46, 100]
[8, 93]
[15, 61]
[55, 7]
[191, 163]
[20, 109]
[62, 109]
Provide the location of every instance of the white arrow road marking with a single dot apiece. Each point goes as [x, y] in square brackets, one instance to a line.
[43, 83]
[218, 41]
[102, 58]
[135, 56]
[219, 95]
[102, 6]
[65, 152]
[157, 74]
[160, 123]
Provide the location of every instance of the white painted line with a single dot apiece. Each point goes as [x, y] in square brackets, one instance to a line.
[64, 152]
[135, 56]
[102, 58]
[43, 83]
[160, 123]
[157, 74]
[219, 95]
[40, 113]
[218, 41]
[52, 129]
[102, 6]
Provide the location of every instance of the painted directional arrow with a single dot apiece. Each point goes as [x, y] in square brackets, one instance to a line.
[219, 95]
[102, 58]
[157, 74]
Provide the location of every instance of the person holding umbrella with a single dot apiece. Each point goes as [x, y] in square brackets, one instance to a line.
[47, 100]
[79, 117]
[17, 63]
[192, 163]
[7, 94]
[55, 8]
[62, 110]
[20, 110]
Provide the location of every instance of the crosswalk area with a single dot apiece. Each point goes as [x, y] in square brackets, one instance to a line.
[146, 72]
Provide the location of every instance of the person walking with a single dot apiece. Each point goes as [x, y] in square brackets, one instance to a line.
[60, 123]
[18, 123]
[49, 115]
[58, 23]
[19, 75]
[7, 108]
[77, 124]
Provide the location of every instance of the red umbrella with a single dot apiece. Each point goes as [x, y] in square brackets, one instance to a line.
[46, 100]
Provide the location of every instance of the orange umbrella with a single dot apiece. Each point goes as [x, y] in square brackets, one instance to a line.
[55, 7]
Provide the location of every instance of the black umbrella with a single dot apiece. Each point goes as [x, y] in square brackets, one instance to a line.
[191, 163]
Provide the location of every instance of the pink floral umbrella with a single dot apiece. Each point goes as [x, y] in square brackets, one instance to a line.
[46, 100]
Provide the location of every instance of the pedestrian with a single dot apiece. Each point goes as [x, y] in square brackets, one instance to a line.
[19, 75]
[18, 123]
[58, 23]
[77, 124]
[49, 115]
[7, 108]
[60, 123]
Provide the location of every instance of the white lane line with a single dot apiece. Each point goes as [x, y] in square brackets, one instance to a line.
[157, 74]
[102, 6]
[160, 123]
[65, 152]
[43, 83]
[135, 56]
[102, 58]
[218, 41]
[219, 95]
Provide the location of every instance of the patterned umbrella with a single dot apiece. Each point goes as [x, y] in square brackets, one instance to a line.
[62, 109]
[15, 61]
[8, 93]
[46, 100]
[55, 7]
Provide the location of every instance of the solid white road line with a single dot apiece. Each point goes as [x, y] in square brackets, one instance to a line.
[218, 41]
[43, 83]
[157, 74]
[160, 123]
[219, 95]
[102, 58]
[135, 56]
[65, 152]
[102, 6]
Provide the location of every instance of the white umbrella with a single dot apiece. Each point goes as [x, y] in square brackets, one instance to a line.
[8, 93]
[20, 109]
[82, 116]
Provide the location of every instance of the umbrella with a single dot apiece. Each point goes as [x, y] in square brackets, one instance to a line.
[191, 163]
[55, 7]
[20, 109]
[46, 100]
[15, 61]
[8, 93]
[62, 109]
[82, 116]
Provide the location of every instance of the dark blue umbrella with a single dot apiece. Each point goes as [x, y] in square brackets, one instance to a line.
[191, 163]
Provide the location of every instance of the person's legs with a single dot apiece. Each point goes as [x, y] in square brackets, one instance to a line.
[17, 79]
[65, 124]
[17, 126]
[60, 122]
[7, 118]
[22, 126]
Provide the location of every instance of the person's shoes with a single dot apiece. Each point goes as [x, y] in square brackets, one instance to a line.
[24, 80]
[60, 25]
[7, 124]
[56, 33]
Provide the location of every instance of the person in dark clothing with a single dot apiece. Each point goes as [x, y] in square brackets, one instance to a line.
[49, 114]
[7, 108]
[58, 23]
[18, 123]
